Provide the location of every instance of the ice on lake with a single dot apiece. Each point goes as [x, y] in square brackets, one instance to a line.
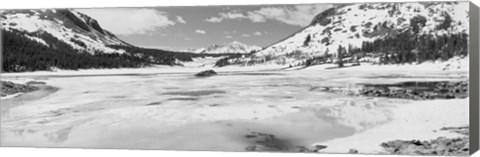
[229, 112]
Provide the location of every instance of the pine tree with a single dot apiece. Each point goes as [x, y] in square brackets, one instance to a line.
[340, 56]
[307, 40]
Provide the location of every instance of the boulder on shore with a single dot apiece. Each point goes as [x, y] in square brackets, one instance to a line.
[206, 73]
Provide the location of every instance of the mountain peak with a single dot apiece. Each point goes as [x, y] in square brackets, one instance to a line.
[234, 47]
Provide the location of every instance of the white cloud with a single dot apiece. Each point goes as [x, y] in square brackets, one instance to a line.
[181, 20]
[245, 35]
[298, 15]
[232, 15]
[230, 32]
[255, 17]
[303, 14]
[223, 16]
[228, 37]
[257, 33]
[129, 21]
[199, 31]
[214, 19]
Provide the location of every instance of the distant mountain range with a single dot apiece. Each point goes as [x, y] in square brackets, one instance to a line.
[234, 47]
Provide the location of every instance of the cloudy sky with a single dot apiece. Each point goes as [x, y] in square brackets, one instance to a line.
[194, 27]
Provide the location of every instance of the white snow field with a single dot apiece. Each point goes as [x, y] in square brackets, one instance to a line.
[169, 108]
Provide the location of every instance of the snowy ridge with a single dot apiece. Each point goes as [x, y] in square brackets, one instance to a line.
[231, 48]
[350, 25]
[69, 26]
[37, 39]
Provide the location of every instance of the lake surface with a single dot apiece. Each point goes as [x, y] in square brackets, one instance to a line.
[228, 112]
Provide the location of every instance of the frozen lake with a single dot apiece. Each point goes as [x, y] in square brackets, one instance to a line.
[233, 111]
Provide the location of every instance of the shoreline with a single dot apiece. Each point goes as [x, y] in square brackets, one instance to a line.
[462, 65]
[414, 121]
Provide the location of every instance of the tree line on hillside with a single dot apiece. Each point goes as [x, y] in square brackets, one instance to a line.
[414, 47]
[406, 48]
[21, 54]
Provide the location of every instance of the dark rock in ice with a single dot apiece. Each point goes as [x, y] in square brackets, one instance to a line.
[9, 88]
[206, 73]
[35, 83]
[418, 90]
[214, 105]
[353, 151]
[316, 148]
[154, 104]
[250, 136]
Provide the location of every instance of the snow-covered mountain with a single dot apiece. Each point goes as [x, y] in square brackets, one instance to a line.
[351, 25]
[49, 39]
[69, 26]
[231, 48]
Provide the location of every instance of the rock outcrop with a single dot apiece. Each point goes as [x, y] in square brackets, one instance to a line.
[9, 88]
[439, 146]
[426, 90]
[206, 73]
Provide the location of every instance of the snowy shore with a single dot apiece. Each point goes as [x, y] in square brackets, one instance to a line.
[420, 120]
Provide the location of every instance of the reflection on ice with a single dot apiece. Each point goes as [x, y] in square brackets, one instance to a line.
[261, 111]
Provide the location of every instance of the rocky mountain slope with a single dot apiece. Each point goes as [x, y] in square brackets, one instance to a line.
[67, 39]
[69, 26]
[353, 26]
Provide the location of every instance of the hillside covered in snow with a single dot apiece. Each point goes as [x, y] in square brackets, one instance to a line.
[378, 32]
[67, 39]
[68, 26]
